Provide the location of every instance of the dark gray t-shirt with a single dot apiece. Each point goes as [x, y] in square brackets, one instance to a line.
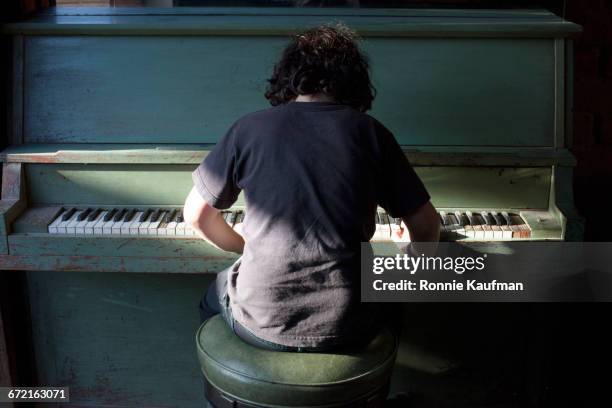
[312, 175]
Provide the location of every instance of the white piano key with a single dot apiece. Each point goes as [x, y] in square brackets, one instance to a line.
[460, 230]
[97, 229]
[65, 220]
[53, 226]
[386, 227]
[135, 224]
[117, 225]
[506, 230]
[497, 232]
[71, 226]
[479, 227]
[487, 227]
[180, 229]
[107, 227]
[127, 225]
[171, 228]
[165, 228]
[143, 228]
[154, 225]
[89, 227]
[80, 227]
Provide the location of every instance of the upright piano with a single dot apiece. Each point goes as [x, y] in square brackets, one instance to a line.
[112, 109]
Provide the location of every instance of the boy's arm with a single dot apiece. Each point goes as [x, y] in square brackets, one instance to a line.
[210, 225]
[423, 228]
[424, 224]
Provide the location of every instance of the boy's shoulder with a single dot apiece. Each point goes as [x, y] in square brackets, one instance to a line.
[261, 114]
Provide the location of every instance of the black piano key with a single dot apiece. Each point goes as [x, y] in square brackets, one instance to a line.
[163, 214]
[516, 219]
[170, 215]
[233, 217]
[83, 214]
[240, 217]
[478, 219]
[499, 219]
[452, 219]
[470, 217]
[145, 214]
[110, 214]
[489, 218]
[129, 215]
[119, 215]
[179, 217]
[464, 220]
[155, 215]
[507, 218]
[94, 214]
[68, 214]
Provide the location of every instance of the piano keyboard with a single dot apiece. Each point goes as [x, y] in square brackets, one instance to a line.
[455, 224]
[128, 221]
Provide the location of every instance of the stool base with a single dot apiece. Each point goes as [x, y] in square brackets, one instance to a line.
[218, 399]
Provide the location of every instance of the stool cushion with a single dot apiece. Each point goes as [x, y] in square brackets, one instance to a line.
[259, 376]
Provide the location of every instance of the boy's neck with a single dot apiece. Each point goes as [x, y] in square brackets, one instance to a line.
[318, 97]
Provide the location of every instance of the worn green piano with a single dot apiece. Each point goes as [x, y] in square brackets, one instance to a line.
[111, 110]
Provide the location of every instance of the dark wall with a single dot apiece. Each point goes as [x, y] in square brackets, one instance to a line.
[593, 114]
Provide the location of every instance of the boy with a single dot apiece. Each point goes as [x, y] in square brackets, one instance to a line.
[313, 169]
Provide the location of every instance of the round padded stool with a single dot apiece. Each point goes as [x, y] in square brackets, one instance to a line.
[237, 374]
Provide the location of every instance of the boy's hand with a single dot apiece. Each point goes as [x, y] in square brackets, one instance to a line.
[400, 234]
[401, 237]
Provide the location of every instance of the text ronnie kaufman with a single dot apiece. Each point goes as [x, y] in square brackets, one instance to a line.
[468, 285]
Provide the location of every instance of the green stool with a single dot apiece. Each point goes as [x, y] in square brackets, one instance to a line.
[237, 374]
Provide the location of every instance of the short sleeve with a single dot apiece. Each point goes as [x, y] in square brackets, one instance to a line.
[401, 192]
[215, 177]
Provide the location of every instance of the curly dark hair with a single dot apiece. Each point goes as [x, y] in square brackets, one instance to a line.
[323, 59]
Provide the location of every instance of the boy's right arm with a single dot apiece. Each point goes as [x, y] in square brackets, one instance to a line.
[423, 231]
[210, 225]
[424, 224]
